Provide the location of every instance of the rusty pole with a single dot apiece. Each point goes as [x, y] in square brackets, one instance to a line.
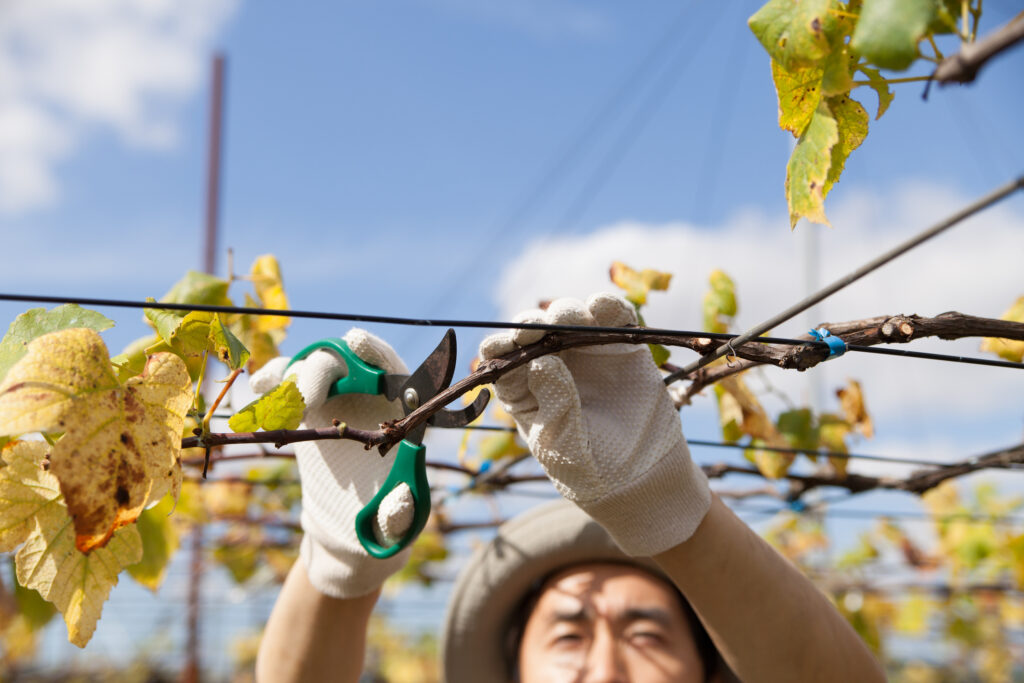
[191, 672]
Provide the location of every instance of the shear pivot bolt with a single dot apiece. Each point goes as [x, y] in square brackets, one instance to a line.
[411, 398]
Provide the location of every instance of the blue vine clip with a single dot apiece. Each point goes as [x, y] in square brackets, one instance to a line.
[836, 346]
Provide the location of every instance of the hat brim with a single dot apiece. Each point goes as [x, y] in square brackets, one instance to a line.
[489, 590]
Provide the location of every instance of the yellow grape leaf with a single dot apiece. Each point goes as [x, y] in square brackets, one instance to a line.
[500, 445]
[807, 170]
[852, 125]
[159, 542]
[429, 547]
[280, 408]
[1010, 349]
[226, 498]
[730, 415]
[262, 345]
[851, 401]
[121, 444]
[799, 93]
[26, 489]
[755, 420]
[771, 464]
[638, 284]
[76, 583]
[266, 279]
[33, 513]
[832, 432]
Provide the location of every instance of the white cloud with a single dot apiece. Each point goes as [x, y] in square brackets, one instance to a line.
[974, 268]
[68, 68]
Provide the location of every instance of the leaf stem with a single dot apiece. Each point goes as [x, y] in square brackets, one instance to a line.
[935, 47]
[220, 397]
[890, 81]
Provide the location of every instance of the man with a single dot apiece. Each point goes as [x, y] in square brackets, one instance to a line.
[557, 597]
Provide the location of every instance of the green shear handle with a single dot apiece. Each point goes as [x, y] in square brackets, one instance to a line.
[409, 467]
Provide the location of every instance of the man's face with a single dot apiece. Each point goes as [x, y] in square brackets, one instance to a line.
[608, 622]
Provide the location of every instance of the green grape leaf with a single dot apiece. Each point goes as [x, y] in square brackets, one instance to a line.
[228, 348]
[888, 31]
[36, 322]
[799, 429]
[159, 542]
[659, 353]
[34, 516]
[808, 167]
[794, 32]
[838, 75]
[121, 444]
[799, 93]
[637, 284]
[198, 288]
[852, 125]
[132, 360]
[280, 408]
[239, 555]
[197, 333]
[1010, 349]
[881, 88]
[719, 302]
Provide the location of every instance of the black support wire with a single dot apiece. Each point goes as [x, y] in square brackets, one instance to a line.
[484, 324]
[822, 294]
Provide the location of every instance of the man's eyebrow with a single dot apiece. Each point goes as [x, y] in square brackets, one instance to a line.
[567, 615]
[656, 614]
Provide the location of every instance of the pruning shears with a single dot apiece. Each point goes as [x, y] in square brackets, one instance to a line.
[409, 467]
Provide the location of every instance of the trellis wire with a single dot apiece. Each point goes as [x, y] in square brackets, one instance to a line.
[850, 278]
[483, 324]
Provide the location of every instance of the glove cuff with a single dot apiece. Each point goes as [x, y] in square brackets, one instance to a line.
[340, 571]
[657, 511]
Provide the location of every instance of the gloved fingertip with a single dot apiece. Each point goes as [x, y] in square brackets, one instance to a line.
[395, 515]
[526, 337]
[568, 311]
[269, 376]
[611, 310]
[374, 351]
[497, 345]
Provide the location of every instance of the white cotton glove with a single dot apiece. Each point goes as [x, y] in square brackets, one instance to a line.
[339, 476]
[600, 421]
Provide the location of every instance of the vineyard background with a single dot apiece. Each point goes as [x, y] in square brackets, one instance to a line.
[465, 160]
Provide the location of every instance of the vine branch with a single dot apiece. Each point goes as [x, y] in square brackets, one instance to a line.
[963, 66]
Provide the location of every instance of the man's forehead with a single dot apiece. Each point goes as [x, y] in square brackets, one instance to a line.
[620, 585]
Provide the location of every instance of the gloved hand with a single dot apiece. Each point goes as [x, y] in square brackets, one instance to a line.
[600, 421]
[339, 476]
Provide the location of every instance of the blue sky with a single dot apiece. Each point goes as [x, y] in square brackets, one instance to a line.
[398, 159]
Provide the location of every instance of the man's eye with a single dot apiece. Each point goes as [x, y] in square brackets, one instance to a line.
[647, 637]
[568, 639]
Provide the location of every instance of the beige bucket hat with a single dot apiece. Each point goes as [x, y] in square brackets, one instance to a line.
[492, 586]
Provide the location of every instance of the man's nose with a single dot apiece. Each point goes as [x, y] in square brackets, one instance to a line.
[605, 663]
